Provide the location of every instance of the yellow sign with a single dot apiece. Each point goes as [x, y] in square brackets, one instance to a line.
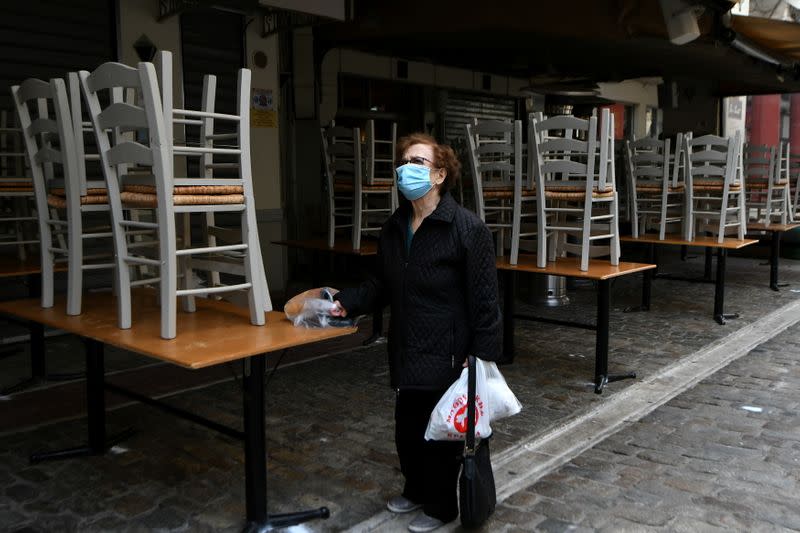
[262, 110]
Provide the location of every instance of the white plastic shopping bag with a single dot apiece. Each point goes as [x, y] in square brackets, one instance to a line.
[449, 418]
[493, 401]
[499, 398]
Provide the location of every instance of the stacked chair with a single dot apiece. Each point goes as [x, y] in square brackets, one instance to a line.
[53, 131]
[765, 172]
[137, 157]
[17, 207]
[575, 184]
[502, 192]
[361, 203]
[656, 189]
[715, 194]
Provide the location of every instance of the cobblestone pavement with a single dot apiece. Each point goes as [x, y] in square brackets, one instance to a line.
[723, 456]
[329, 427]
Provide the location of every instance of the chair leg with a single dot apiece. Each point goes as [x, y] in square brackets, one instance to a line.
[541, 234]
[516, 222]
[331, 221]
[189, 304]
[662, 229]
[74, 262]
[585, 235]
[356, 233]
[254, 267]
[635, 218]
[616, 249]
[48, 261]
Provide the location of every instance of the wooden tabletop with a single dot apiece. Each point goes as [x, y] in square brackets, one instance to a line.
[701, 240]
[570, 267]
[760, 226]
[11, 266]
[341, 247]
[217, 333]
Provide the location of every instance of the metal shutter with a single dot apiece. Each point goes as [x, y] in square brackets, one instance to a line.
[48, 38]
[461, 108]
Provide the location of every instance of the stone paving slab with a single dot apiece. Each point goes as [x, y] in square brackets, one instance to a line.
[330, 426]
[722, 456]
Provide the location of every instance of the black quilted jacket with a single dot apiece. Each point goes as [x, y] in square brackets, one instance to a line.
[443, 295]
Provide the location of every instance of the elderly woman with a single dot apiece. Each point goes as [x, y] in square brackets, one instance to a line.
[436, 271]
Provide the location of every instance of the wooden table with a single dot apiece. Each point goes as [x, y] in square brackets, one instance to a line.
[601, 272]
[367, 254]
[218, 332]
[775, 230]
[31, 270]
[708, 243]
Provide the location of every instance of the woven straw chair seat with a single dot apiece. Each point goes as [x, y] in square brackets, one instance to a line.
[348, 187]
[60, 191]
[506, 192]
[151, 200]
[16, 186]
[656, 188]
[574, 192]
[193, 190]
[764, 184]
[713, 185]
[60, 202]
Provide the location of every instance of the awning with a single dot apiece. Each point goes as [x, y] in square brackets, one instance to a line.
[776, 37]
[332, 9]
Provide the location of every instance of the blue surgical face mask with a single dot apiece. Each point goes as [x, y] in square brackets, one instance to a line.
[414, 181]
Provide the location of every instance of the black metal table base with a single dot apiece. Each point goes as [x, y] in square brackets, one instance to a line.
[601, 375]
[286, 520]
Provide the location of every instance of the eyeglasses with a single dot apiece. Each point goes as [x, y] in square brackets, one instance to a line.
[416, 160]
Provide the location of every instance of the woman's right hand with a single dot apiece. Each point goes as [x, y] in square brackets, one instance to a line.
[338, 310]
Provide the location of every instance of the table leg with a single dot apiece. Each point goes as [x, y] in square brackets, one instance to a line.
[509, 290]
[647, 283]
[601, 376]
[774, 259]
[707, 270]
[255, 457]
[719, 290]
[95, 411]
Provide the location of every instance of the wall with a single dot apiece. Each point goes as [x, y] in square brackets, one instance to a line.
[640, 94]
[137, 17]
[338, 61]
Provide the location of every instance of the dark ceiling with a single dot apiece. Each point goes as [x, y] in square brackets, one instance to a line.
[569, 41]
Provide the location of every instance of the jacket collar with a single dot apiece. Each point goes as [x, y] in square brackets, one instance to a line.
[444, 212]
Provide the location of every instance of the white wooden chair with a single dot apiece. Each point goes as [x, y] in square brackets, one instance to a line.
[714, 187]
[765, 182]
[363, 206]
[656, 194]
[17, 207]
[380, 160]
[794, 182]
[501, 191]
[580, 197]
[141, 175]
[57, 161]
[209, 166]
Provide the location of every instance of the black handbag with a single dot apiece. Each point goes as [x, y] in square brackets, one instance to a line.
[477, 496]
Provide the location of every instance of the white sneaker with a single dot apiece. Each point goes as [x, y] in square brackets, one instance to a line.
[400, 504]
[424, 523]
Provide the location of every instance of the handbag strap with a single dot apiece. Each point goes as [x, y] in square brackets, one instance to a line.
[469, 444]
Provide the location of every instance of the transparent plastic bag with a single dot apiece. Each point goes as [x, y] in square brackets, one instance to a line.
[312, 309]
[493, 401]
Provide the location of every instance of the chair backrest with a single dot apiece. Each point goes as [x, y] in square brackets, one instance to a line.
[380, 154]
[341, 148]
[647, 160]
[560, 153]
[782, 165]
[495, 156]
[12, 150]
[109, 93]
[47, 129]
[713, 157]
[758, 162]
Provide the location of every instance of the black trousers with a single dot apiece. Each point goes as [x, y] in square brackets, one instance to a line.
[430, 467]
